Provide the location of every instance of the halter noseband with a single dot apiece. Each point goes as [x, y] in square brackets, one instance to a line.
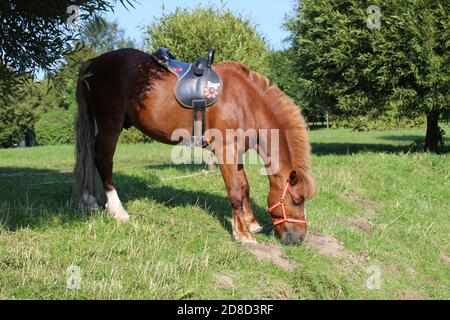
[285, 218]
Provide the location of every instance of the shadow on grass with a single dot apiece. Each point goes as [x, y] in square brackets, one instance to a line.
[33, 198]
[415, 138]
[325, 148]
[218, 206]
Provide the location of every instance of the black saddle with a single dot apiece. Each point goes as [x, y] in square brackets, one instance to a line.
[196, 82]
[198, 87]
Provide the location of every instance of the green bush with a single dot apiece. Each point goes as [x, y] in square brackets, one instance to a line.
[189, 33]
[132, 136]
[366, 123]
[56, 127]
[15, 119]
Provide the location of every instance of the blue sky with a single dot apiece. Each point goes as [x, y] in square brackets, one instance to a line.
[267, 14]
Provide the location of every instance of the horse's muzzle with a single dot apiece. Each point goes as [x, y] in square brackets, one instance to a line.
[293, 237]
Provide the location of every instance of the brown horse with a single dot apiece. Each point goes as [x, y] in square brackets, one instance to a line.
[128, 83]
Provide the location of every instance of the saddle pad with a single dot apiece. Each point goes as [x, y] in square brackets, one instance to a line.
[179, 67]
[191, 88]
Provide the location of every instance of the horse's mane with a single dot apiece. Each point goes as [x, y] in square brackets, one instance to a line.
[292, 120]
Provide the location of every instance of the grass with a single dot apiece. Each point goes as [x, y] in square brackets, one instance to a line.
[179, 242]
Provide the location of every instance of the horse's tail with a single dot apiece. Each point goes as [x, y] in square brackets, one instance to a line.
[85, 128]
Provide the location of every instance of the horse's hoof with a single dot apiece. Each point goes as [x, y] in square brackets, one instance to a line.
[249, 241]
[122, 218]
[118, 212]
[244, 240]
[255, 228]
[93, 207]
[90, 202]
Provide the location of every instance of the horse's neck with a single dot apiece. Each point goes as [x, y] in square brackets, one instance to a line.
[276, 147]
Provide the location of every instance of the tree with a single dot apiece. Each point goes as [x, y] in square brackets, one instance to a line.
[16, 118]
[34, 35]
[355, 70]
[283, 74]
[53, 110]
[189, 33]
[98, 37]
[106, 36]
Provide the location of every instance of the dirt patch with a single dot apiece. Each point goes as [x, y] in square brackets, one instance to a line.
[328, 246]
[266, 251]
[358, 223]
[410, 295]
[412, 272]
[364, 257]
[224, 282]
[368, 206]
[278, 291]
[351, 198]
[446, 259]
[371, 212]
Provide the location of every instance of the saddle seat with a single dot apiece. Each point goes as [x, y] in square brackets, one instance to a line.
[198, 87]
[198, 82]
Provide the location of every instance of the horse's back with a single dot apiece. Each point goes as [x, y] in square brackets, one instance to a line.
[118, 63]
[120, 75]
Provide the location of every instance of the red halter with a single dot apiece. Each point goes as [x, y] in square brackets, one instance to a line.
[285, 218]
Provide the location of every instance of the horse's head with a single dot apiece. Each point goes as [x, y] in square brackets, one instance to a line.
[287, 207]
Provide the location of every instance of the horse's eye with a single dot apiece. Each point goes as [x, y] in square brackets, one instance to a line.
[297, 202]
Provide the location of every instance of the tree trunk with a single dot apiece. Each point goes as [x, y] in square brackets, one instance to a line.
[433, 134]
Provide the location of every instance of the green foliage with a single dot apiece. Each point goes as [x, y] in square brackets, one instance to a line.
[57, 93]
[189, 33]
[283, 74]
[384, 122]
[56, 127]
[15, 119]
[355, 71]
[132, 136]
[106, 36]
[18, 113]
[282, 67]
[34, 35]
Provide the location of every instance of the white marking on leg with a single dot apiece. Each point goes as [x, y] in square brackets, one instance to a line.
[239, 238]
[90, 201]
[255, 228]
[115, 208]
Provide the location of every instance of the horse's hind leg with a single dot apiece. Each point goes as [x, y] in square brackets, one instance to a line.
[249, 217]
[105, 147]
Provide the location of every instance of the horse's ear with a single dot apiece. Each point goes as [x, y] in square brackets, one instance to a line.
[293, 178]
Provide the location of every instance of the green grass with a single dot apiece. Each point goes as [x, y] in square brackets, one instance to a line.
[179, 240]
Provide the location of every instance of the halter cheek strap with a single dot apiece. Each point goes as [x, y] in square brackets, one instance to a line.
[284, 217]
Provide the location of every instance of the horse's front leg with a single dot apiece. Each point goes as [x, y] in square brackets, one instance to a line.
[233, 182]
[104, 153]
[249, 217]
